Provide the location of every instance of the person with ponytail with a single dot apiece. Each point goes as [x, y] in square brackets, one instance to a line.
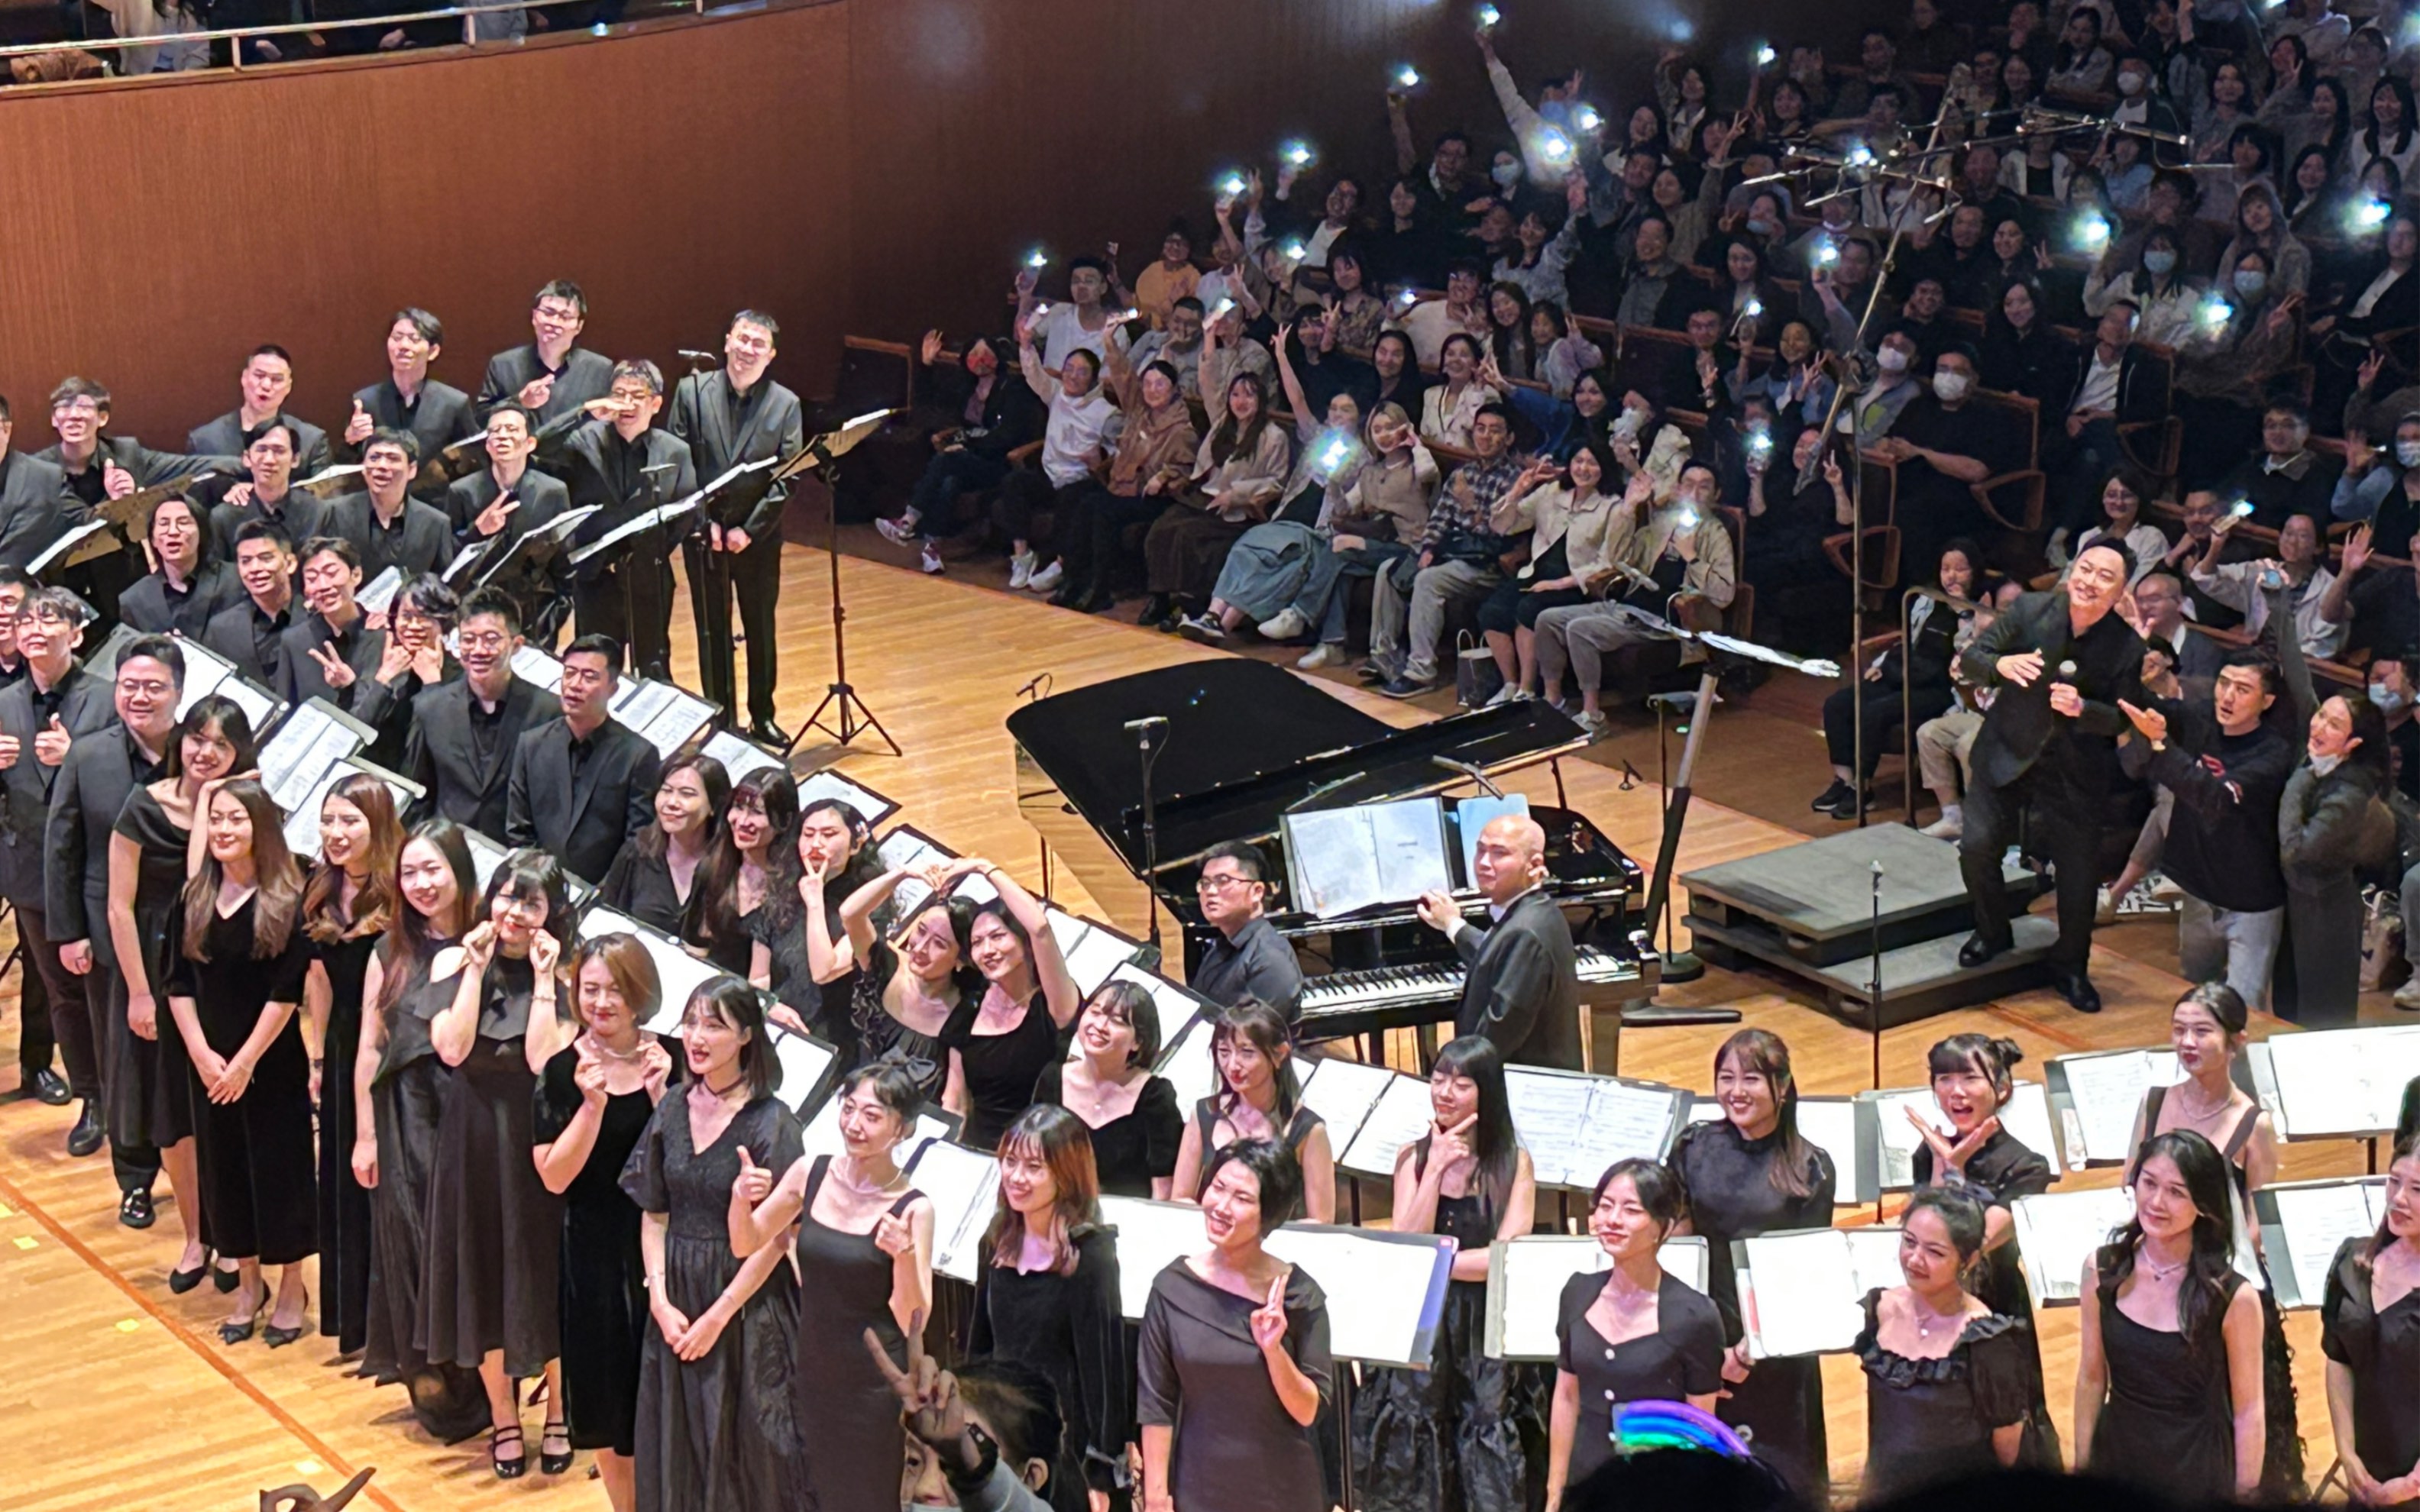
[1459, 1436]
[1751, 1172]
[2168, 1391]
[2369, 1328]
[1949, 1383]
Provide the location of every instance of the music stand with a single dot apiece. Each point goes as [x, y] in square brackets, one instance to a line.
[824, 451]
[619, 549]
[524, 568]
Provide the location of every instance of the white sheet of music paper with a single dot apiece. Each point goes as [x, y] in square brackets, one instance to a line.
[2344, 1082]
[1575, 1126]
[963, 1186]
[2058, 1231]
[1401, 1115]
[1344, 1092]
[532, 665]
[740, 757]
[2107, 1091]
[1346, 859]
[2313, 1219]
[871, 806]
[1802, 1290]
[314, 738]
[1526, 1278]
[1150, 1234]
[1379, 1286]
[2027, 1119]
[804, 1060]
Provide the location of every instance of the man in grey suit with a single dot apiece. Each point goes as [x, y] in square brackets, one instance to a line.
[386, 524]
[729, 417]
[35, 504]
[100, 467]
[266, 379]
[39, 715]
[507, 499]
[267, 492]
[614, 455]
[582, 784]
[549, 377]
[434, 414]
[101, 770]
[1522, 990]
[464, 732]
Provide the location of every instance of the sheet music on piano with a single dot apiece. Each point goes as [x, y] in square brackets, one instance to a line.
[2303, 1223]
[1526, 1277]
[964, 1187]
[1575, 1125]
[1342, 860]
[2097, 1096]
[1801, 1291]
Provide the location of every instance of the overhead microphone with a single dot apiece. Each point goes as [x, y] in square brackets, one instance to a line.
[700, 357]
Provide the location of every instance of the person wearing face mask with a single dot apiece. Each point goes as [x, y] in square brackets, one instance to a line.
[1943, 445]
[2138, 103]
[2382, 486]
[2331, 822]
[2242, 339]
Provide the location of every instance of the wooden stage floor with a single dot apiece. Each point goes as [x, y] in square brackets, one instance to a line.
[94, 1332]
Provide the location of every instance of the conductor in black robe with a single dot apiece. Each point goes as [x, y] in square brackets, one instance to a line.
[1522, 986]
[614, 455]
[2061, 662]
[729, 417]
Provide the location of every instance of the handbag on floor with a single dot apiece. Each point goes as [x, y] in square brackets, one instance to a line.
[1476, 676]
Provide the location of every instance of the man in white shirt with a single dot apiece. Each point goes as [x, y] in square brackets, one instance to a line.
[1431, 321]
[1074, 448]
[1079, 324]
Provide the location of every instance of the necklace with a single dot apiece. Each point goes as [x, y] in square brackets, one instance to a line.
[624, 1057]
[719, 1092]
[2208, 1110]
[2154, 1268]
[1924, 1318]
[863, 1189]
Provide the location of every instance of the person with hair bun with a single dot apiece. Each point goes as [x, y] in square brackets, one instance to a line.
[2369, 1328]
[1635, 1332]
[908, 993]
[1136, 1128]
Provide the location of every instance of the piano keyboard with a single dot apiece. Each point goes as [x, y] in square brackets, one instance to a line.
[1388, 991]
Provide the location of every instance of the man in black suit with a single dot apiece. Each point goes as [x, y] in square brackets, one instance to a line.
[252, 634]
[189, 583]
[504, 501]
[1522, 990]
[549, 377]
[269, 493]
[100, 467]
[584, 784]
[35, 504]
[266, 379]
[101, 770]
[434, 414]
[39, 715]
[614, 455]
[385, 524]
[2050, 741]
[464, 732]
[729, 417]
[331, 651]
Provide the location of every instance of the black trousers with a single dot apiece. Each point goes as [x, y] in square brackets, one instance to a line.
[756, 577]
[2064, 830]
[1882, 701]
[65, 1018]
[136, 1166]
[36, 1045]
[642, 621]
[1088, 529]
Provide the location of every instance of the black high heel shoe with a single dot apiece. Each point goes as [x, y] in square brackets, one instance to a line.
[232, 1332]
[180, 1282]
[548, 1459]
[277, 1338]
[222, 1278]
[515, 1468]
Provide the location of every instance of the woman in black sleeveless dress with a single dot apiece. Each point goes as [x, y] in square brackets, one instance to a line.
[2169, 1343]
[655, 879]
[716, 1428]
[1132, 1113]
[488, 1295]
[346, 910]
[865, 1261]
[833, 856]
[1636, 1332]
[148, 1087]
[398, 1091]
[759, 827]
[907, 995]
[1751, 1172]
[1948, 1381]
[1001, 1040]
[1464, 1433]
[2369, 1326]
[594, 1101]
[1259, 1100]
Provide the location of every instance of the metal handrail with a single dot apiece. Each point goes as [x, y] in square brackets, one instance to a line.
[470, 14]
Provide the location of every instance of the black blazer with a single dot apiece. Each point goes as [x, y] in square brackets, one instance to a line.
[442, 417]
[440, 757]
[229, 634]
[2021, 728]
[227, 436]
[585, 376]
[300, 677]
[770, 424]
[86, 796]
[34, 505]
[1523, 991]
[85, 704]
[145, 465]
[149, 607]
[421, 541]
[2141, 394]
[542, 496]
[579, 451]
[582, 824]
[303, 514]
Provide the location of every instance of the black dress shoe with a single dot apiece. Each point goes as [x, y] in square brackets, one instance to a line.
[766, 732]
[135, 1211]
[2078, 989]
[49, 1087]
[1831, 797]
[87, 1136]
[1977, 950]
[1155, 610]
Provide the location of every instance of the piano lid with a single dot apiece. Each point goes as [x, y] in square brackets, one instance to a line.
[1246, 742]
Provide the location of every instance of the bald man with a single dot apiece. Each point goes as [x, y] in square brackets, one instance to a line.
[1523, 987]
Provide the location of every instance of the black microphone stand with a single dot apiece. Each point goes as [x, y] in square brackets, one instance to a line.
[852, 716]
[1147, 733]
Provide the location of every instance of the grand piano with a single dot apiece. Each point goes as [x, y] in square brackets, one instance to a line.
[1244, 743]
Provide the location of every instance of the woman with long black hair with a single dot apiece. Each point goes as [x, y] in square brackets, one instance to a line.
[800, 955]
[654, 878]
[2331, 821]
[1258, 1097]
[2370, 1330]
[1462, 1433]
[760, 823]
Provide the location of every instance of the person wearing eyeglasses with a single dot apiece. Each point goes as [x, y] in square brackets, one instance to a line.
[1249, 958]
[386, 525]
[34, 501]
[463, 730]
[550, 376]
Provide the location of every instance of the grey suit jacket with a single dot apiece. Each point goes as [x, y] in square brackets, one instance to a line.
[771, 423]
[91, 788]
[421, 540]
[85, 704]
[584, 824]
[34, 505]
[444, 416]
[578, 452]
[585, 376]
[1523, 991]
[225, 436]
[440, 757]
[148, 606]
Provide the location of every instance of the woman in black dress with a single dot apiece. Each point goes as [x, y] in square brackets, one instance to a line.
[347, 909]
[398, 1091]
[759, 826]
[907, 993]
[1948, 1381]
[1259, 1098]
[1131, 1113]
[714, 1425]
[2168, 1371]
[1462, 1433]
[1751, 1172]
[1234, 1363]
[833, 857]
[864, 1250]
[234, 987]
[594, 1101]
[1050, 1298]
[1636, 1332]
[149, 1089]
[654, 878]
[488, 1294]
[2369, 1326]
[1971, 1084]
[1000, 1044]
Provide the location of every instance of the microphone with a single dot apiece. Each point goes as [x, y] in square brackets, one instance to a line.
[661, 467]
[1146, 728]
[708, 358]
[2067, 669]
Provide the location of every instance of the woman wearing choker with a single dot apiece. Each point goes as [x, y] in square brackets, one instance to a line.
[714, 1422]
[488, 1296]
[2370, 1330]
[654, 878]
[2168, 1371]
[1258, 1097]
[759, 826]
[346, 910]
[800, 952]
[594, 1100]
[398, 1091]
[1136, 1128]
[865, 1252]
[907, 994]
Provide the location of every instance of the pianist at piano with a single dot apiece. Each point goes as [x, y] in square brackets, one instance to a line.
[1522, 992]
[1248, 959]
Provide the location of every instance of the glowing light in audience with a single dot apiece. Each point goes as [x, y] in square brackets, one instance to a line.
[1759, 441]
[1587, 118]
[1037, 258]
[2215, 311]
[1407, 299]
[1295, 153]
[1689, 518]
[1488, 17]
[1333, 455]
[1754, 309]
[1221, 308]
[1765, 57]
[1554, 147]
[598, 30]
[2370, 214]
[1294, 252]
[2241, 509]
[1860, 155]
[1041, 308]
[2093, 231]
[1407, 77]
[1121, 316]
[1826, 255]
[1233, 185]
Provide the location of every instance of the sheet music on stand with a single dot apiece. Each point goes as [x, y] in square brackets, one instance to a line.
[740, 757]
[806, 1063]
[963, 1186]
[733, 474]
[1526, 1277]
[820, 1131]
[826, 784]
[638, 525]
[1342, 860]
[487, 560]
[1401, 1115]
[538, 668]
[57, 553]
[1344, 1093]
[302, 820]
[315, 737]
[2340, 1083]
[1094, 951]
[1386, 1291]
[2303, 1223]
[1840, 1127]
[2026, 1117]
[1801, 1292]
[681, 973]
[1150, 1235]
[637, 700]
[378, 595]
[2058, 1231]
[673, 720]
[2096, 1098]
[1187, 1064]
[1574, 1124]
[909, 848]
